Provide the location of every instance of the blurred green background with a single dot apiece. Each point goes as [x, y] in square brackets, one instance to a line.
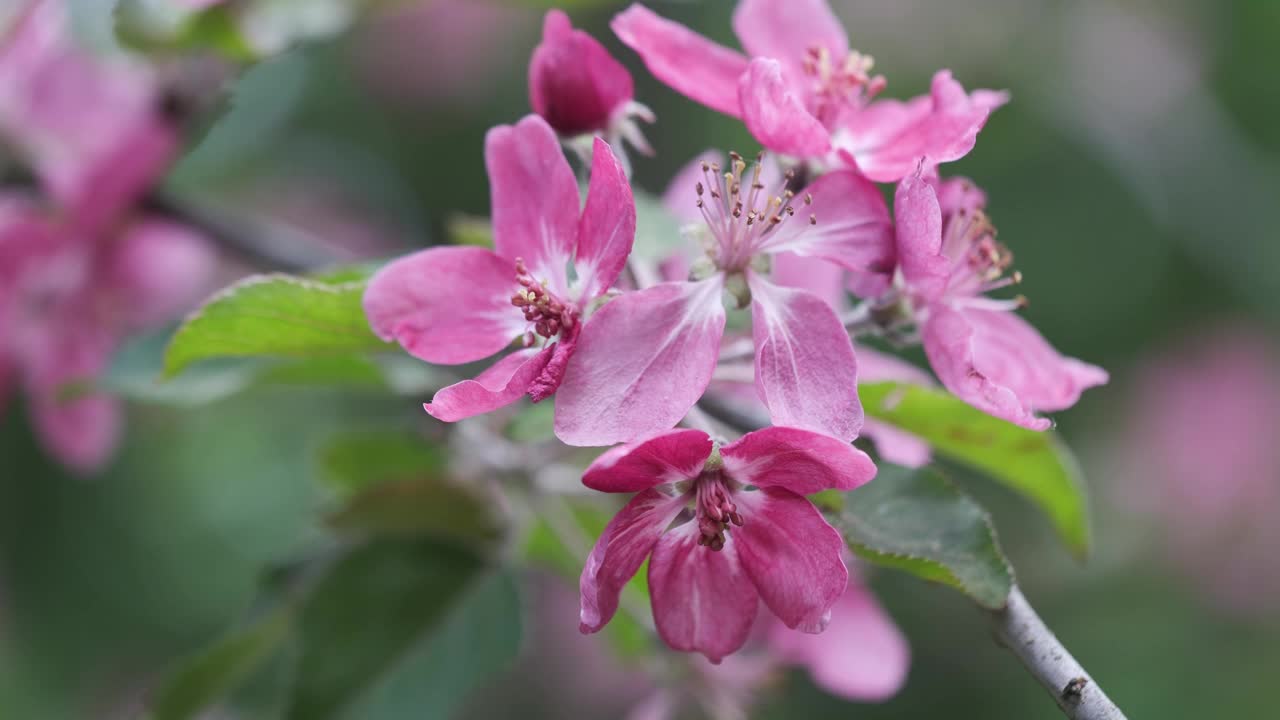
[1135, 176]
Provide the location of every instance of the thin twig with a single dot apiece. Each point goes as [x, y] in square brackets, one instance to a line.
[1020, 629]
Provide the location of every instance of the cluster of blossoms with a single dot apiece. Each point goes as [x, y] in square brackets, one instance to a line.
[82, 262]
[628, 350]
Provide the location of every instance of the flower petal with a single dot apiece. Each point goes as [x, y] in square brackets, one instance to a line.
[608, 226]
[775, 114]
[574, 83]
[801, 461]
[82, 432]
[997, 362]
[501, 384]
[850, 225]
[680, 198]
[669, 457]
[897, 446]
[820, 277]
[919, 237]
[792, 555]
[702, 600]
[533, 198]
[643, 360]
[786, 31]
[862, 655]
[159, 269]
[689, 63]
[619, 553]
[806, 373]
[446, 305]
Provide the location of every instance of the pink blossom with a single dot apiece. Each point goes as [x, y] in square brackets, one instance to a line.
[707, 575]
[981, 350]
[550, 266]
[801, 91]
[657, 352]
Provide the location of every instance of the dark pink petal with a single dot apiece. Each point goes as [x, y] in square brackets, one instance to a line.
[792, 555]
[774, 112]
[703, 601]
[670, 457]
[503, 383]
[995, 361]
[643, 360]
[801, 461]
[158, 270]
[786, 31]
[862, 655]
[619, 553]
[446, 305]
[806, 373]
[574, 83]
[533, 198]
[689, 63]
[850, 225]
[130, 168]
[608, 226]
[919, 237]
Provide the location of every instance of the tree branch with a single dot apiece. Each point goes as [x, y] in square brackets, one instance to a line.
[1021, 630]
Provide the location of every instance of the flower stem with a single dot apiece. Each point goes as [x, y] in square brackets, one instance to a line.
[1021, 630]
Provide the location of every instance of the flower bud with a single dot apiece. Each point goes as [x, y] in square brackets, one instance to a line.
[574, 83]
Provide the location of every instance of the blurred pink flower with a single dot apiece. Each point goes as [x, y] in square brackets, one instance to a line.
[707, 575]
[551, 262]
[801, 91]
[981, 350]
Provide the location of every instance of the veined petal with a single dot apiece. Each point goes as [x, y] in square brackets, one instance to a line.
[787, 31]
[689, 63]
[533, 198]
[446, 305]
[792, 555]
[850, 225]
[919, 237]
[995, 361]
[774, 112]
[608, 226]
[668, 457]
[159, 269]
[619, 553]
[703, 601]
[643, 360]
[806, 373]
[501, 384]
[862, 655]
[801, 461]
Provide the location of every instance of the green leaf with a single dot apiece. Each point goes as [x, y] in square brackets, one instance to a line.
[919, 522]
[1034, 464]
[377, 607]
[273, 316]
[356, 461]
[205, 678]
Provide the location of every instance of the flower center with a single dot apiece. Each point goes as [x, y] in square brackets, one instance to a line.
[715, 510]
[546, 314]
[740, 220]
[979, 261]
[836, 85]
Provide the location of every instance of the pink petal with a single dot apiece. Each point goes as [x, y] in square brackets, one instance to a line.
[574, 83]
[501, 384]
[876, 366]
[643, 360]
[897, 446]
[850, 225]
[670, 457]
[820, 277]
[608, 226]
[919, 237]
[797, 460]
[160, 269]
[619, 553]
[446, 305]
[774, 112]
[786, 31]
[681, 198]
[997, 362]
[81, 433]
[806, 373]
[959, 193]
[703, 601]
[533, 197]
[792, 555]
[862, 655]
[689, 63]
[123, 175]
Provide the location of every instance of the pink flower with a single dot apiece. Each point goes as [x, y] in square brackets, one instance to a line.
[801, 91]
[66, 301]
[983, 352]
[580, 89]
[752, 534]
[550, 267]
[655, 354]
